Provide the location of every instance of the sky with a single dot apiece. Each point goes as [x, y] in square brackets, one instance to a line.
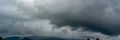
[69, 19]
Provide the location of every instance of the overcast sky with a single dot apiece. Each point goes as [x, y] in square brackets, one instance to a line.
[88, 18]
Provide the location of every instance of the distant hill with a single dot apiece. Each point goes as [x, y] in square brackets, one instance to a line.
[50, 38]
[44, 38]
[12, 38]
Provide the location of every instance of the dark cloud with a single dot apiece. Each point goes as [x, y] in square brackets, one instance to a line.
[101, 16]
[42, 17]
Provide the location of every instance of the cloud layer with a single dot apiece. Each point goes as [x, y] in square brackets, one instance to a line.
[44, 17]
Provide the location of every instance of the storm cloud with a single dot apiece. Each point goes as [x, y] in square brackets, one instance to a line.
[95, 15]
[60, 17]
[100, 16]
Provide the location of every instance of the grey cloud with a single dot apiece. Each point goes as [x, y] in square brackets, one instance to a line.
[96, 15]
[101, 16]
[23, 17]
